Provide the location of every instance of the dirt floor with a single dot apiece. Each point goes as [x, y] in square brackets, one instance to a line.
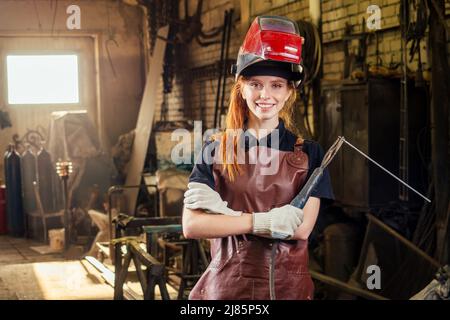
[27, 274]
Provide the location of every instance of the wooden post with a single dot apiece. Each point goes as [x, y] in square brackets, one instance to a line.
[440, 88]
[67, 220]
[145, 120]
[317, 85]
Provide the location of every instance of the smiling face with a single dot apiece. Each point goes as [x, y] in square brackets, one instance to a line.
[265, 96]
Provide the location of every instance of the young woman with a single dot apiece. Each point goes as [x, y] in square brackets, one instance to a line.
[245, 178]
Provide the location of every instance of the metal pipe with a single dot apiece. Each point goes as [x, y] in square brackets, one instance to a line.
[403, 240]
[224, 65]
[315, 11]
[219, 81]
[345, 286]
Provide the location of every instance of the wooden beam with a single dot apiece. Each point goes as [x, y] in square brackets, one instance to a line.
[345, 286]
[145, 119]
[108, 276]
[245, 6]
[411, 246]
[440, 88]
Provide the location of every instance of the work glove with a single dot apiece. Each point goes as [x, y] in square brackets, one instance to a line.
[201, 196]
[278, 223]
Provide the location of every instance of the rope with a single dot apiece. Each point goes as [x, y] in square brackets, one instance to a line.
[312, 59]
[311, 50]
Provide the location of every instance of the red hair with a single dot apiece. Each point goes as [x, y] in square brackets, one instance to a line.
[238, 114]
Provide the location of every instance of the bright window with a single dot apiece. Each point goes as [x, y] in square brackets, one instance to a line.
[42, 79]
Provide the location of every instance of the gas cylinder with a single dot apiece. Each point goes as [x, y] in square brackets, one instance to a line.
[29, 175]
[3, 202]
[5, 158]
[45, 174]
[13, 179]
[3, 221]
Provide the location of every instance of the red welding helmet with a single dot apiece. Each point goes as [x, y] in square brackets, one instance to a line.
[272, 46]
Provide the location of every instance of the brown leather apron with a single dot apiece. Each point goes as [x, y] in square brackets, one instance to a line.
[240, 264]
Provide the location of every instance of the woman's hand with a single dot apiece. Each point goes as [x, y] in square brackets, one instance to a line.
[201, 196]
[278, 223]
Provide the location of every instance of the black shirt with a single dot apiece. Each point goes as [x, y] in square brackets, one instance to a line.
[202, 171]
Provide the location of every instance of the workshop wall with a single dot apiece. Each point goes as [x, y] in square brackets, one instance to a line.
[335, 14]
[194, 97]
[200, 92]
[119, 96]
[194, 93]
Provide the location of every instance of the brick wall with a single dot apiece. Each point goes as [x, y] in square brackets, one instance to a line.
[335, 15]
[201, 92]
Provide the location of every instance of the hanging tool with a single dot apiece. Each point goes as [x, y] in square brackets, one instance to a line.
[412, 31]
[222, 69]
[224, 63]
[111, 40]
[5, 120]
[404, 127]
[300, 200]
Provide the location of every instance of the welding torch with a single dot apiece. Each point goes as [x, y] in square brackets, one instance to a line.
[302, 197]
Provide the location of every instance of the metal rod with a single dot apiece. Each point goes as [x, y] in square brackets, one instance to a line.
[403, 240]
[224, 65]
[221, 62]
[385, 170]
[67, 220]
[404, 137]
[345, 286]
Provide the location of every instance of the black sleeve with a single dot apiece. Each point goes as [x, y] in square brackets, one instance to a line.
[202, 171]
[323, 190]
